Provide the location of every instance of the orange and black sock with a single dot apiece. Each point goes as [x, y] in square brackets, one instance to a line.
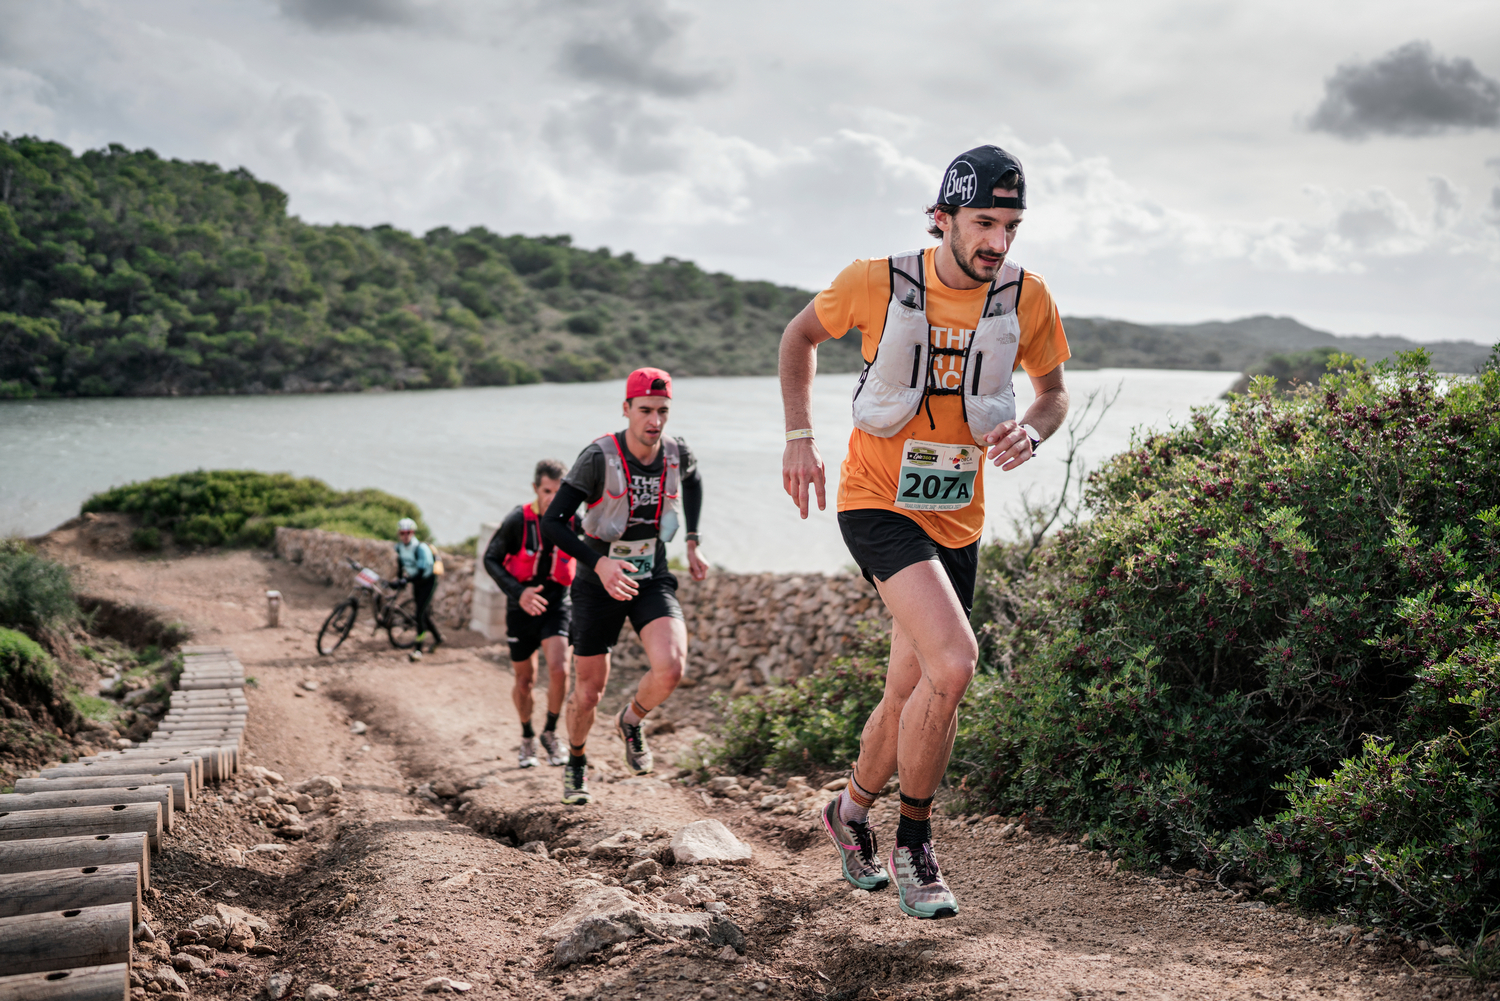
[855, 802]
[634, 713]
[576, 756]
[915, 827]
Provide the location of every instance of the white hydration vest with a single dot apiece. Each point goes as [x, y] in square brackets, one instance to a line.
[894, 385]
[609, 516]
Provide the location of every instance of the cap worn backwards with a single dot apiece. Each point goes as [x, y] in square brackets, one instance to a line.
[972, 177]
[648, 382]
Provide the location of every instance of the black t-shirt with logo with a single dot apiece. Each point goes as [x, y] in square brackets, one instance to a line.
[587, 475]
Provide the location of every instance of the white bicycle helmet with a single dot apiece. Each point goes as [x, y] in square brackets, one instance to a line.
[406, 525]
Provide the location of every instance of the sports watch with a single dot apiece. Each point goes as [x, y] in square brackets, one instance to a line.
[1031, 432]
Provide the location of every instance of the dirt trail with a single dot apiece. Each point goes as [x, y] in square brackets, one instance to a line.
[393, 887]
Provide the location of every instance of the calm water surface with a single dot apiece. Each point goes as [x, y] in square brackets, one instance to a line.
[466, 455]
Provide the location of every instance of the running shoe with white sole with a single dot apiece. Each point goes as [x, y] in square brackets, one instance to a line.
[528, 753]
[920, 890]
[637, 755]
[857, 852]
[555, 754]
[576, 785]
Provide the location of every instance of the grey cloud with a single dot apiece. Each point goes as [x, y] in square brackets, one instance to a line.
[1409, 91]
[615, 130]
[1447, 202]
[625, 46]
[347, 14]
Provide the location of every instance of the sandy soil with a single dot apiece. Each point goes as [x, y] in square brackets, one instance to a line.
[391, 888]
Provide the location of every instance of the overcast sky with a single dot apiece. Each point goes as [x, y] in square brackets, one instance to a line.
[1337, 162]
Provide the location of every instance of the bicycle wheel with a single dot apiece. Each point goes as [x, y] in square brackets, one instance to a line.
[336, 627]
[401, 627]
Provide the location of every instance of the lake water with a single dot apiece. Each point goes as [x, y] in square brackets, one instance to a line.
[466, 455]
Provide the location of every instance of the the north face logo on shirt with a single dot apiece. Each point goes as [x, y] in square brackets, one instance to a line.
[645, 492]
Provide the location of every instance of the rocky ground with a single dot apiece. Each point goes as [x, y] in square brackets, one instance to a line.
[434, 865]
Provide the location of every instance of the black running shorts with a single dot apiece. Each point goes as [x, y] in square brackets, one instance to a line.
[598, 618]
[525, 632]
[884, 543]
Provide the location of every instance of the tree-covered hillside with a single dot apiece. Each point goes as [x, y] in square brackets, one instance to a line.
[122, 273]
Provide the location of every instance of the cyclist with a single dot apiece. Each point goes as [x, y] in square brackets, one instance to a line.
[634, 482]
[415, 563]
[943, 329]
[535, 576]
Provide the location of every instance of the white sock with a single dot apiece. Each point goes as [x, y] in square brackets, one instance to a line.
[631, 719]
[852, 811]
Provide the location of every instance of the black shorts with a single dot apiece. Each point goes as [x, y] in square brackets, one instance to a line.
[525, 632]
[599, 618]
[884, 543]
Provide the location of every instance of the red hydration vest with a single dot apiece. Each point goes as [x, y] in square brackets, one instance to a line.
[522, 563]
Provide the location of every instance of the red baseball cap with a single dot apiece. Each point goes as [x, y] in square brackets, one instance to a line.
[648, 382]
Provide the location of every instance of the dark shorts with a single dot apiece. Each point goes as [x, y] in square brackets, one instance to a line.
[598, 618]
[525, 632]
[884, 543]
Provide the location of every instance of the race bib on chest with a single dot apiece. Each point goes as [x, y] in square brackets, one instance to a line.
[937, 477]
[640, 554]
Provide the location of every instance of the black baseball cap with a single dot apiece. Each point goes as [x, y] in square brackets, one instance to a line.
[972, 177]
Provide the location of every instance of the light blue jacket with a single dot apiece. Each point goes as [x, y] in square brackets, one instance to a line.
[415, 559]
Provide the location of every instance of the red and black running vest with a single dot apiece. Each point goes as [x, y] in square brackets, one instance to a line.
[522, 564]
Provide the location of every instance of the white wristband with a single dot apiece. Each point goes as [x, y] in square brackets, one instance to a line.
[799, 433]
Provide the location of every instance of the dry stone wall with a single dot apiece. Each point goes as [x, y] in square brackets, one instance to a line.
[321, 557]
[748, 629]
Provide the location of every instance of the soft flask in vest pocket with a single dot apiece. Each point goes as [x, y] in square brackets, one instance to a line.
[891, 388]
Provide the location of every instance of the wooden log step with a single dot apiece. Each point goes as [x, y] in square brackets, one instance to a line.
[77, 851]
[64, 798]
[121, 818]
[181, 799]
[85, 983]
[218, 762]
[61, 889]
[200, 724]
[207, 686]
[194, 712]
[63, 940]
[211, 760]
[200, 698]
[145, 764]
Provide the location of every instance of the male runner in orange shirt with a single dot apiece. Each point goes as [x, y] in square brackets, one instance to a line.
[942, 330]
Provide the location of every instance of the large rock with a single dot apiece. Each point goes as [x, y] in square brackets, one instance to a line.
[320, 785]
[703, 840]
[609, 915]
[231, 916]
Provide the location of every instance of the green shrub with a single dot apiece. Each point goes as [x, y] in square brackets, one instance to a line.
[815, 721]
[35, 592]
[1278, 625]
[23, 663]
[243, 507]
[146, 540]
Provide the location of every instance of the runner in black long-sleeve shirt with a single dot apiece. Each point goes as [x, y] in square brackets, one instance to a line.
[534, 576]
[634, 482]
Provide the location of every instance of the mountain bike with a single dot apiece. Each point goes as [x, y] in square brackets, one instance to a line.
[394, 612]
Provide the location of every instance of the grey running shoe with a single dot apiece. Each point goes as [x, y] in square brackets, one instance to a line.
[528, 753]
[414, 655]
[920, 890]
[857, 852]
[555, 753]
[637, 755]
[576, 785]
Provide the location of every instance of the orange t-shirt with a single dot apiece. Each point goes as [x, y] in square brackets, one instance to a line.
[858, 299]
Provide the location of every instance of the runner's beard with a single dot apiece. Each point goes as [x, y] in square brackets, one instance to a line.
[966, 261]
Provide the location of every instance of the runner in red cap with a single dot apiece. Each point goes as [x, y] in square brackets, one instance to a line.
[639, 484]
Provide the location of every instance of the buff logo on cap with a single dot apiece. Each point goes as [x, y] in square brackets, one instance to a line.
[971, 179]
[961, 184]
